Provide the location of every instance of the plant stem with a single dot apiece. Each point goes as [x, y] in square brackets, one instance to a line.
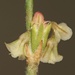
[32, 69]
[29, 13]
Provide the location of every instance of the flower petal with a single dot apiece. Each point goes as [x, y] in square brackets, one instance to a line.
[57, 35]
[17, 48]
[50, 55]
[64, 31]
[14, 48]
[54, 56]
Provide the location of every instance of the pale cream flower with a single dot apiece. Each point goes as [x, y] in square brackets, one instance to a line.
[17, 48]
[28, 42]
[50, 54]
[65, 31]
[60, 31]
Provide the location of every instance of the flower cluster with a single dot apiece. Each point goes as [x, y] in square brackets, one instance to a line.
[28, 44]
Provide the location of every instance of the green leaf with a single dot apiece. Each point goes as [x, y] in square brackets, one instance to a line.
[36, 36]
[46, 34]
[33, 37]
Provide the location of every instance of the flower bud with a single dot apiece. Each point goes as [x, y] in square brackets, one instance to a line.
[38, 18]
[39, 31]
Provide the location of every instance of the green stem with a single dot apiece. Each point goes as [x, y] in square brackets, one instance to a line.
[32, 69]
[29, 13]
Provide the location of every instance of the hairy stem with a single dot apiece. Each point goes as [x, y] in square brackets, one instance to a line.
[29, 13]
[32, 69]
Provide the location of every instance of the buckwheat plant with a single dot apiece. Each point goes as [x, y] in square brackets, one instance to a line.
[34, 45]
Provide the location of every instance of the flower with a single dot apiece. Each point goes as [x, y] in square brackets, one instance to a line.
[60, 31]
[34, 43]
[50, 54]
[17, 48]
[39, 32]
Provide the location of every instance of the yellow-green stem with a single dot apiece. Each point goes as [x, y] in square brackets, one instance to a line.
[29, 13]
[32, 69]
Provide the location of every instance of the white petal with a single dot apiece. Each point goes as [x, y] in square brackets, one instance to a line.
[54, 56]
[66, 31]
[53, 59]
[51, 54]
[57, 35]
[45, 57]
[14, 48]
[17, 48]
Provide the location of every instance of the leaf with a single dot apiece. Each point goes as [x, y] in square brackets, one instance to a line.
[46, 32]
[36, 36]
